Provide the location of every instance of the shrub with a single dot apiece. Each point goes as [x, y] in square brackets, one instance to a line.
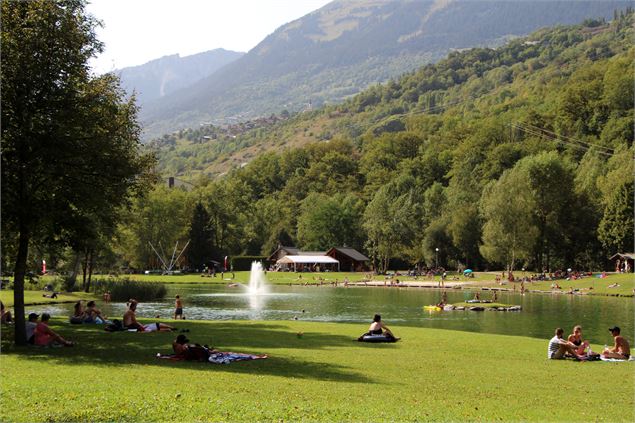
[124, 289]
[244, 262]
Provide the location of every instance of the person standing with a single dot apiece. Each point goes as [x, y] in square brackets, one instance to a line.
[178, 308]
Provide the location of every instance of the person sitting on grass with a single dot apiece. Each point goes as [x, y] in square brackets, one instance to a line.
[559, 348]
[6, 314]
[130, 321]
[45, 336]
[79, 315]
[377, 327]
[621, 350]
[31, 324]
[93, 314]
[576, 339]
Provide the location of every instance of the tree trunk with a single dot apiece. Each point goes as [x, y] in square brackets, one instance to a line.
[84, 268]
[91, 264]
[18, 286]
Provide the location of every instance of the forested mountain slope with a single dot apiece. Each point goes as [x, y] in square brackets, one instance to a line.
[348, 45]
[168, 74]
[521, 155]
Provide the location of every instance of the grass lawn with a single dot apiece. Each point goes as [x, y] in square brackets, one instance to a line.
[35, 297]
[626, 282]
[324, 375]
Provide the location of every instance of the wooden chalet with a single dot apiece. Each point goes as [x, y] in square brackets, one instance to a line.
[350, 259]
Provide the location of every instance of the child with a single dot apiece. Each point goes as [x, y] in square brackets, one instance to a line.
[178, 311]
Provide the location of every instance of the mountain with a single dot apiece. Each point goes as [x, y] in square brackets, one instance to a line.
[479, 81]
[168, 74]
[342, 48]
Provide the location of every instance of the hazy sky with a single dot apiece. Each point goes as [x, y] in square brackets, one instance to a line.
[137, 31]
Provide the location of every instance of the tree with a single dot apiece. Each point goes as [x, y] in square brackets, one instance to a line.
[326, 222]
[616, 227]
[70, 141]
[201, 247]
[508, 233]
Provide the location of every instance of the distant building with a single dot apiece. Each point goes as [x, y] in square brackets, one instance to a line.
[350, 259]
[624, 262]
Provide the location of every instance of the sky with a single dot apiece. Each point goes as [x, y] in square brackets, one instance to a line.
[137, 31]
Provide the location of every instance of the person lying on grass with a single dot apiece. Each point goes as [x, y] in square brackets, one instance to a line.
[130, 321]
[186, 351]
[576, 339]
[621, 350]
[559, 348]
[45, 336]
[379, 328]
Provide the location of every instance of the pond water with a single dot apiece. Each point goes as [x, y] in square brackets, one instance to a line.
[540, 314]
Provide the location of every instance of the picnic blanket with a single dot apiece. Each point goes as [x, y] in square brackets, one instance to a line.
[616, 359]
[218, 357]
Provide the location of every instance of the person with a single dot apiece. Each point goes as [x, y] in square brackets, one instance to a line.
[6, 314]
[79, 315]
[178, 308]
[621, 350]
[45, 336]
[130, 321]
[576, 339]
[93, 314]
[377, 327]
[30, 324]
[183, 349]
[495, 297]
[559, 348]
[106, 296]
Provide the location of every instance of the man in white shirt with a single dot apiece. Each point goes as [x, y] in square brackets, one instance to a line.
[31, 323]
[558, 347]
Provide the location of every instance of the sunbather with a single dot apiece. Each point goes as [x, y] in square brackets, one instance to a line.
[130, 321]
[576, 339]
[93, 314]
[5, 314]
[621, 349]
[45, 336]
[379, 328]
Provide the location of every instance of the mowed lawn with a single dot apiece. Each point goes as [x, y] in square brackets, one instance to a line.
[323, 375]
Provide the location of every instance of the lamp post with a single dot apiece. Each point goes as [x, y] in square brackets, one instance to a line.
[437, 257]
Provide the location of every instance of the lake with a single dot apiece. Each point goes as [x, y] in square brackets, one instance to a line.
[540, 315]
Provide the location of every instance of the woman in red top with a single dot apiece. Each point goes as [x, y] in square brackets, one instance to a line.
[45, 336]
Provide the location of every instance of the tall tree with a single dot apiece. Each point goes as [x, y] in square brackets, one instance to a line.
[201, 247]
[70, 141]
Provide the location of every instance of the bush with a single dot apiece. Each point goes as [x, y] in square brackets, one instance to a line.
[124, 289]
[244, 262]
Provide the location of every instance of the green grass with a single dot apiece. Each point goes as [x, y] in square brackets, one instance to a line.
[325, 375]
[600, 285]
[35, 297]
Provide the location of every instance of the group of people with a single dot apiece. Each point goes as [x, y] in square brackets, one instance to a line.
[39, 332]
[88, 314]
[576, 347]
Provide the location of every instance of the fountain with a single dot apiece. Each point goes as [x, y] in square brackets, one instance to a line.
[257, 287]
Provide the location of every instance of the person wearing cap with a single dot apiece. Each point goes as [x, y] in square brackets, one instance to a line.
[45, 336]
[621, 350]
[31, 323]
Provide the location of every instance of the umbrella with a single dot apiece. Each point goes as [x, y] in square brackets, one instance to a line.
[466, 271]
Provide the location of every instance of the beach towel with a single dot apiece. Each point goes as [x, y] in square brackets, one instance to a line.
[617, 360]
[218, 357]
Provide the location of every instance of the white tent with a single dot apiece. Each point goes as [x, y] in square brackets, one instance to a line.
[295, 260]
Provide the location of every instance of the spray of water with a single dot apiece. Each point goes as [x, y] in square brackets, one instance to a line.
[257, 280]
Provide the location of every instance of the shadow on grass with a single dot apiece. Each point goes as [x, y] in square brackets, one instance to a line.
[119, 349]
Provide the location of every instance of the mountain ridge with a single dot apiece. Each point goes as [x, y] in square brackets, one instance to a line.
[344, 47]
